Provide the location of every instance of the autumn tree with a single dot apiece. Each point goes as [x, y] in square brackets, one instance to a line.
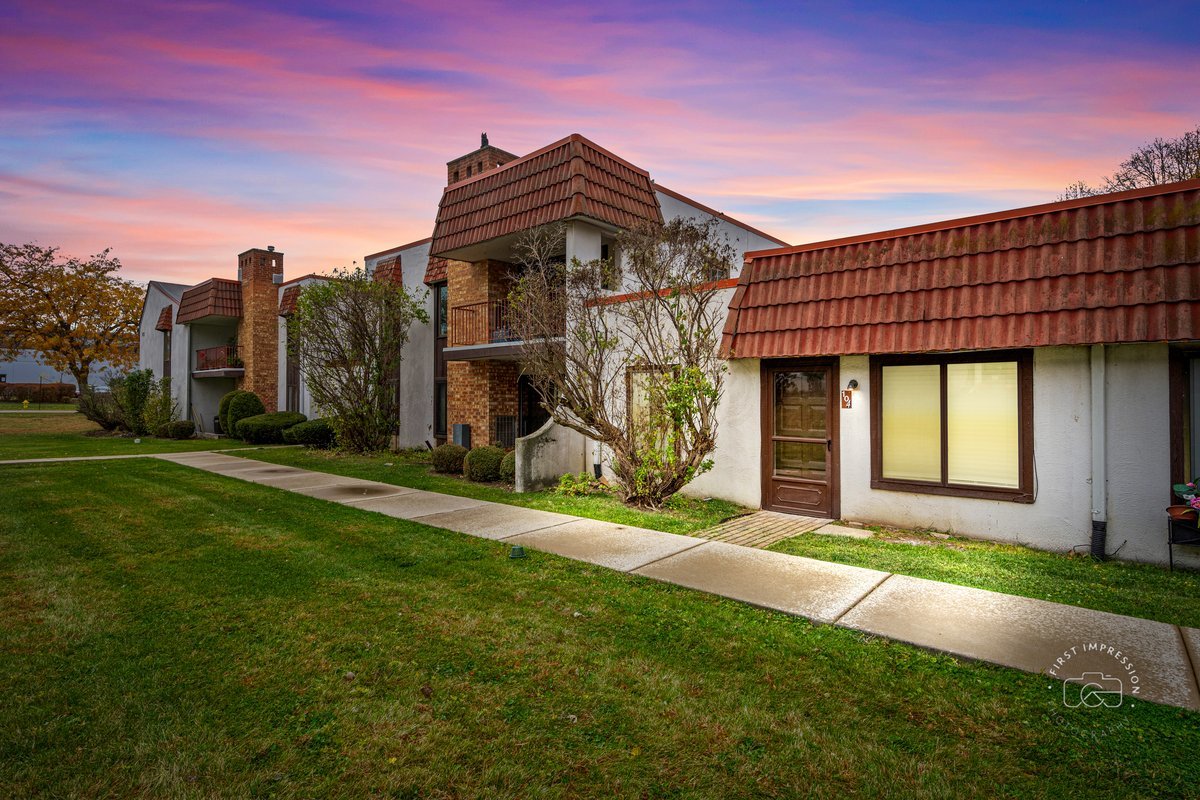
[73, 312]
[1157, 162]
[349, 334]
[638, 373]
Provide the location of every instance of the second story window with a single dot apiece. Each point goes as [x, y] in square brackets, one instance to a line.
[441, 309]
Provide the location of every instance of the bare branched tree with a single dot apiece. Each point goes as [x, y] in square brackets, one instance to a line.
[1160, 161]
[349, 335]
[638, 372]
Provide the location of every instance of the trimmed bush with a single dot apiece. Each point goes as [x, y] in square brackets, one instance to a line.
[244, 405]
[314, 433]
[179, 429]
[223, 411]
[266, 428]
[508, 467]
[482, 464]
[448, 458]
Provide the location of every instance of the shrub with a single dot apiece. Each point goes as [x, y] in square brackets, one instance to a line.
[508, 467]
[100, 408]
[160, 406]
[131, 392]
[448, 458]
[179, 429]
[243, 405]
[314, 433]
[483, 464]
[37, 392]
[266, 428]
[581, 485]
[223, 411]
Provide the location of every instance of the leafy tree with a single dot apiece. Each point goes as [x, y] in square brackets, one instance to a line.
[1160, 161]
[640, 375]
[73, 312]
[349, 335]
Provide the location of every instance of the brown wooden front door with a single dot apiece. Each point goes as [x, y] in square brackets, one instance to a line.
[800, 442]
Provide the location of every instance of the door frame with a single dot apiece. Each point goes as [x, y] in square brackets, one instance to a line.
[833, 431]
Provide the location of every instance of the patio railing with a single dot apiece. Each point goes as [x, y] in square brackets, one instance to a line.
[222, 357]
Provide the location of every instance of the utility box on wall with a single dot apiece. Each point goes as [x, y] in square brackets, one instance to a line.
[462, 435]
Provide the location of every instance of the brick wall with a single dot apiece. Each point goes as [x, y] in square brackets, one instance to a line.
[467, 399]
[485, 158]
[470, 283]
[258, 329]
[477, 393]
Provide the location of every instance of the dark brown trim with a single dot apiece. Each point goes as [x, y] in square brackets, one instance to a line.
[1179, 383]
[1024, 493]
[833, 417]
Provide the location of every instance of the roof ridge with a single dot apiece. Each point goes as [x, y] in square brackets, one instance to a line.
[983, 219]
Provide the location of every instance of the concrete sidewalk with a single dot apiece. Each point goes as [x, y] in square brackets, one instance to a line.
[1152, 661]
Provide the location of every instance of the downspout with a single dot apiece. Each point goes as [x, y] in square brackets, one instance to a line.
[1099, 455]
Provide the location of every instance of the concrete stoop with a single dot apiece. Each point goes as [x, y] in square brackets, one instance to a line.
[1115, 657]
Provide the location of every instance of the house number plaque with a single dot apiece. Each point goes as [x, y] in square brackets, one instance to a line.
[847, 398]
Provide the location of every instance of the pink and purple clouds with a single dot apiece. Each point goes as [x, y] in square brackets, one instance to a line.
[183, 133]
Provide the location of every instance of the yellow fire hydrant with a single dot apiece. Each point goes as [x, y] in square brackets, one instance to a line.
[25, 405]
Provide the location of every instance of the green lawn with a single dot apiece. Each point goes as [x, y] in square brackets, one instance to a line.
[62, 435]
[8, 405]
[412, 469]
[170, 632]
[1139, 590]
[1136, 589]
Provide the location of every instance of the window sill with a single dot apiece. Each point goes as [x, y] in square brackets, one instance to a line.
[972, 492]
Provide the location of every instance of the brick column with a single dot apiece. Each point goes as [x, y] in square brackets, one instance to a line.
[258, 329]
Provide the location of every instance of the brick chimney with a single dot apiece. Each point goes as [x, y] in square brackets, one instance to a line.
[258, 330]
[477, 161]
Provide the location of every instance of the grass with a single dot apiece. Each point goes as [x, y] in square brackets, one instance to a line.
[169, 632]
[411, 469]
[10, 405]
[64, 435]
[1139, 590]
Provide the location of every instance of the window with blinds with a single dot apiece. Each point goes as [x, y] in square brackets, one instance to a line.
[955, 424]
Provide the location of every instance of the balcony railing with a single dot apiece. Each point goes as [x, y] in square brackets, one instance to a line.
[223, 357]
[489, 322]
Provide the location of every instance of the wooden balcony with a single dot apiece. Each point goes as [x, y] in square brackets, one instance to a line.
[219, 362]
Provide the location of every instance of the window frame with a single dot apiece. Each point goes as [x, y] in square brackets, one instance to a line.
[1024, 493]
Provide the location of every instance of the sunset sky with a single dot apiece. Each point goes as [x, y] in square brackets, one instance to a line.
[183, 133]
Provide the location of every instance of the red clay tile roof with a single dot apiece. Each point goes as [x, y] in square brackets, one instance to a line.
[216, 297]
[388, 270]
[1123, 267]
[164, 319]
[287, 303]
[572, 177]
[435, 270]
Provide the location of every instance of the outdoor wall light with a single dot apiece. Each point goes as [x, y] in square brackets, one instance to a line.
[852, 385]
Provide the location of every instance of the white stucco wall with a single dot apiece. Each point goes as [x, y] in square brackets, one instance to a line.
[1138, 446]
[306, 406]
[742, 239]
[150, 341]
[1138, 453]
[416, 371]
[737, 462]
[1060, 516]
